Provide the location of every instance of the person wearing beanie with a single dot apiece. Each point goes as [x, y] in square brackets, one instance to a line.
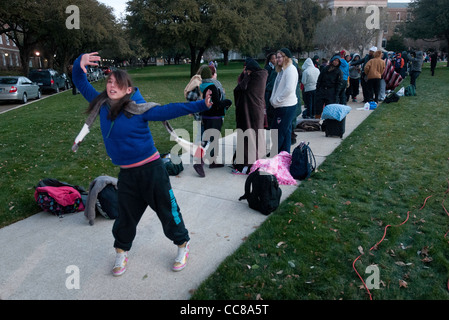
[249, 97]
[284, 98]
[211, 118]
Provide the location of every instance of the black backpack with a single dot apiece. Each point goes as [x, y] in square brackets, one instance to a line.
[262, 192]
[391, 97]
[303, 162]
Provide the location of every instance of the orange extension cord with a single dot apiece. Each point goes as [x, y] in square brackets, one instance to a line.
[385, 232]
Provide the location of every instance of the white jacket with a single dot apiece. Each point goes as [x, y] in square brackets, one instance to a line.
[310, 75]
[284, 90]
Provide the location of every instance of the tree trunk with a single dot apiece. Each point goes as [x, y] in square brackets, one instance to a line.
[226, 56]
[196, 59]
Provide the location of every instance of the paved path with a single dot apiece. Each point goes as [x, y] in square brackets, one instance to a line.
[43, 254]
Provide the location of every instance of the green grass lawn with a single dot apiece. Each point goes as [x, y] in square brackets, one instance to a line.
[386, 168]
[36, 139]
[305, 250]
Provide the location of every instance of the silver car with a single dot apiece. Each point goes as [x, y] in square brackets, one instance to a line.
[18, 88]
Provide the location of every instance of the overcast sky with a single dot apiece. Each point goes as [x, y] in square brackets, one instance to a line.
[119, 6]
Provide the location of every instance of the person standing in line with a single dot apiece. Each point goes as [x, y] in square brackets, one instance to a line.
[143, 180]
[327, 85]
[344, 67]
[270, 66]
[309, 79]
[284, 99]
[249, 97]
[363, 78]
[399, 64]
[374, 70]
[354, 79]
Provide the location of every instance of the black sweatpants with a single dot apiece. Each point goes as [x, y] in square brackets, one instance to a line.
[138, 188]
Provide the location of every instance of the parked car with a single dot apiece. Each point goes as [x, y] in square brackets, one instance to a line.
[93, 74]
[47, 79]
[68, 82]
[18, 88]
[101, 75]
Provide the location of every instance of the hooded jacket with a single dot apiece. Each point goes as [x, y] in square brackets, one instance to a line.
[354, 70]
[330, 77]
[310, 75]
[375, 67]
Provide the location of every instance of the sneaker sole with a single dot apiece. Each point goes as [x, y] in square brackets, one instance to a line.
[181, 266]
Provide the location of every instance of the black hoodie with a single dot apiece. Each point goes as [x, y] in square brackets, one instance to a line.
[330, 77]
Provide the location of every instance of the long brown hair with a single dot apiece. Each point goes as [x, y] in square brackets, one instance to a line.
[123, 81]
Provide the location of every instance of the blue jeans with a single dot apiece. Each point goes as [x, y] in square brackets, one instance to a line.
[282, 122]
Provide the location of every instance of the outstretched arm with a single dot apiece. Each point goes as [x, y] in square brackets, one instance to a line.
[79, 75]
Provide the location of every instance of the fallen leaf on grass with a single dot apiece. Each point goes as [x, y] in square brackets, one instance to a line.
[360, 249]
[402, 284]
[427, 259]
[280, 244]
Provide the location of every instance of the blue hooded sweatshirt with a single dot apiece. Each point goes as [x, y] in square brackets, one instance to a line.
[128, 141]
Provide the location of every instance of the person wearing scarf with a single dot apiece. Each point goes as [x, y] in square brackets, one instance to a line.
[143, 180]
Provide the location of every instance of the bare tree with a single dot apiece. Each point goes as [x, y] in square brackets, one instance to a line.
[346, 31]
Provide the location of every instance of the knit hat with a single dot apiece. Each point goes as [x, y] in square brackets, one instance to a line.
[206, 73]
[252, 65]
[287, 52]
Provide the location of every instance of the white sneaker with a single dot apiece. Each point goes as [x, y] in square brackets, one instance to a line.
[181, 258]
[121, 259]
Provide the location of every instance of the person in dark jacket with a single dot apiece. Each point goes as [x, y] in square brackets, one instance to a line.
[249, 97]
[270, 66]
[211, 118]
[433, 62]
[327, 85]
[363, 77]
[416, 59]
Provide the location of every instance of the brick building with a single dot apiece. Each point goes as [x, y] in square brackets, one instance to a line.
[9, 53]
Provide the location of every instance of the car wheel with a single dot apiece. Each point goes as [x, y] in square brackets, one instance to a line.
[24, 98]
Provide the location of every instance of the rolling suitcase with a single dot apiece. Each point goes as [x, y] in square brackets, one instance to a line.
[334, 127]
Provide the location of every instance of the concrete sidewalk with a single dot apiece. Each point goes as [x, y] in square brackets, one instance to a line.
[43, 256]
